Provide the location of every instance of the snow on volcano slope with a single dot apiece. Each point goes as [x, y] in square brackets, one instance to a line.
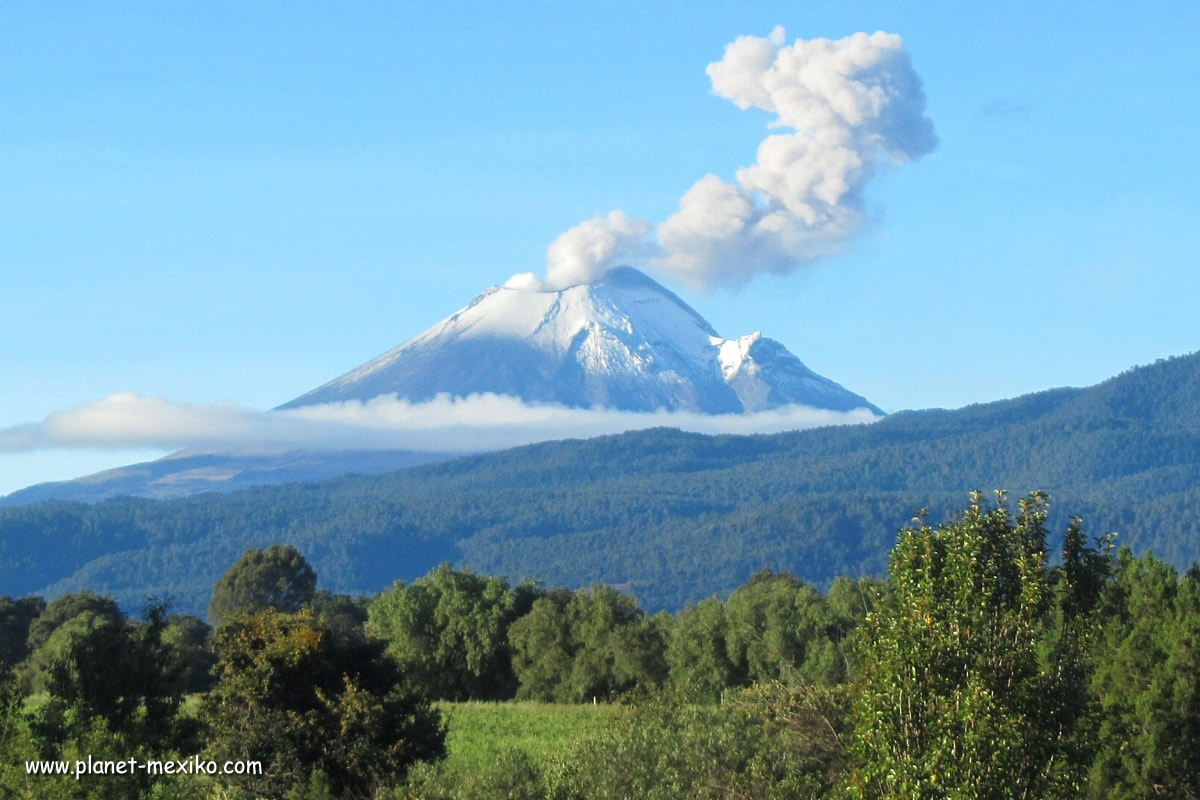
[624, 342]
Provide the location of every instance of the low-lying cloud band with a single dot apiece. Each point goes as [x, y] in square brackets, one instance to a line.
[443, 424]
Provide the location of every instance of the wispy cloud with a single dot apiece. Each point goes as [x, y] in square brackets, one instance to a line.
[444, 424]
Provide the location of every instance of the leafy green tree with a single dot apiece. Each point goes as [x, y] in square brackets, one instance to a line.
[542, 650]
[340, 612]
[16, 743]
[959, 695]
[191, 659]
[15, 618]
[109, 692]
[119, 673]
[779, 628]
[697, 655]
[315, 707]
[67, 607]
[1148, 681]
[277, 578]
[449, 632]
[585, 645]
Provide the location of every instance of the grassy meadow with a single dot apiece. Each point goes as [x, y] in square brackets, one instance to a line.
[477, 732]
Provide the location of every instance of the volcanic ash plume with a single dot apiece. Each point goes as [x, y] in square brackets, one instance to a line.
[850, 104]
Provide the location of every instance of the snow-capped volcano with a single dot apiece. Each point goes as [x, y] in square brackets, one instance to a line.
[624, 342]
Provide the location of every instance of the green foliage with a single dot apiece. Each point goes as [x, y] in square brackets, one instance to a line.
[16, 742]
[508, 773]
[780, 629]
[191, 660]
[764, 742]
[449, 632]
[980, 669]
[108, 690]
[301, 698]
[66, 608]
[119, 674]
[278, 578]
[16, 616]
[339, 612]
[1148, 680]
[576, 647]
[697, 654]
[958, 694]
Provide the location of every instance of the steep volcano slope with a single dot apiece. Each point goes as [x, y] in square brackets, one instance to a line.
[624, 342]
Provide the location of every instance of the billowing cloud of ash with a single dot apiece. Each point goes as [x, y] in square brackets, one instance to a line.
[849, 105]
[444, 424]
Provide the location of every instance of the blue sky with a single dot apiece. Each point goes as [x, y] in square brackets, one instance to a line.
[234, 202]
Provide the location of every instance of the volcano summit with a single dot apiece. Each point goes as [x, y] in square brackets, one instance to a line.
[623, 342]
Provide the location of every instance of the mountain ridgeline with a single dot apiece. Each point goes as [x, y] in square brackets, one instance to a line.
[671, 517]
[623, 342]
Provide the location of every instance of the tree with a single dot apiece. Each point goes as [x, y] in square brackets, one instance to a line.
[67, 607]
[15, 618]
[542, 650]
[779, 628]
[449, 632]
[573, 647]
[111, 692]
[970, 672]
[121, 673]
[17, 745]
[186, 640]
[314, 706]
[278, 578]
[697, 654]
[1148, 681]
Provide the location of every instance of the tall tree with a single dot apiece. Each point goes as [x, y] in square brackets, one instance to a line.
[277, 578]
[1148, 680]
[120, 673]
[313, 705]
[781, 629]
[15, 618]
[449, 631]
[65, 608]
[697, 655]
[573, 647]
[959, 694]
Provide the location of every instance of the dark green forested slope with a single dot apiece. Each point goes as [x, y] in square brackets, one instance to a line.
[671, 516]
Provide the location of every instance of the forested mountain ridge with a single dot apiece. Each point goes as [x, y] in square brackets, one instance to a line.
[673, 517]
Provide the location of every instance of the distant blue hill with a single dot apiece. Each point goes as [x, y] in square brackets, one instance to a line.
[193, 473]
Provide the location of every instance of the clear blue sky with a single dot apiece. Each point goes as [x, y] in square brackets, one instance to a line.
[234, 202]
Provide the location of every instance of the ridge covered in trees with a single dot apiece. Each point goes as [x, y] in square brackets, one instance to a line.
[671, 517]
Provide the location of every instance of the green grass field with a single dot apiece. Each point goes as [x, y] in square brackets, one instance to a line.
[479, 732]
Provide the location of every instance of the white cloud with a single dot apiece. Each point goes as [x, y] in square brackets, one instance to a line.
[852, 104]
[444, 424]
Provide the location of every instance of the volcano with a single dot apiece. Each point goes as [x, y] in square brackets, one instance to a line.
[624, 342]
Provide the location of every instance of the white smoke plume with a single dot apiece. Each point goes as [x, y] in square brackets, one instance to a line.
[851, 105]
[443, 424]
